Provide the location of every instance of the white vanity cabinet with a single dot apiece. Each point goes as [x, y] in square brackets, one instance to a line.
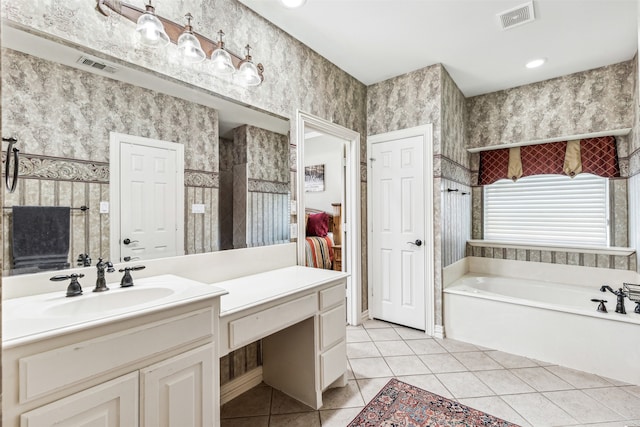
[300, 315]
[151, 370]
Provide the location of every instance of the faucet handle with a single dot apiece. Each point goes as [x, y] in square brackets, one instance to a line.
[127, 279]
[601, 307]
[74, 287]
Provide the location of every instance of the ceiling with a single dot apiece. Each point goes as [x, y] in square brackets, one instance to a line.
[374, 40]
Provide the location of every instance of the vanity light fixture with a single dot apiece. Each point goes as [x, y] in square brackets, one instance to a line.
[189, 45]
[248, 74]
[221, 60]
[151, 30]
[536, 63]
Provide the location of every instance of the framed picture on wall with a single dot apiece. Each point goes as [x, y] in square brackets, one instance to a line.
[314, 178]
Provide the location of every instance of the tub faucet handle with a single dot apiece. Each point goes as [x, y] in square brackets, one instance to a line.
[601, 307]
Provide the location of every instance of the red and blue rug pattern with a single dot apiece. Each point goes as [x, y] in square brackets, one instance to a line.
[399, 404]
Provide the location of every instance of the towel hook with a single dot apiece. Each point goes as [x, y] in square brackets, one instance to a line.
[11, 187]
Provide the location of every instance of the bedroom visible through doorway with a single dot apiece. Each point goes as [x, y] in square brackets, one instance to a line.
[328, 200]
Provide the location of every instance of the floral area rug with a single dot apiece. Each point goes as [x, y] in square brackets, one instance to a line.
[400, 404]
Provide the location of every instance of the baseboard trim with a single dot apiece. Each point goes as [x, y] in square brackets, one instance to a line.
[237, 386]
[364, 316]
[438, 331]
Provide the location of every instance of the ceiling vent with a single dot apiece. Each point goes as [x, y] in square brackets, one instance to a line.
[517, 16]
[89, 62]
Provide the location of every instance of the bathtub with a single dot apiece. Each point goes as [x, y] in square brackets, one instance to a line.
[552, 322]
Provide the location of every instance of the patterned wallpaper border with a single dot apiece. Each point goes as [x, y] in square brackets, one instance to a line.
[616, 262]
[262, 186]
[201, 179]
[451, 170]
[61, 169]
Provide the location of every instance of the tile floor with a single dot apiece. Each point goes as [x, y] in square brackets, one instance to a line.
[517, 389]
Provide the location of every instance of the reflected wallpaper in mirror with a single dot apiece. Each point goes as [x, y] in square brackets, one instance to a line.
[62, 118]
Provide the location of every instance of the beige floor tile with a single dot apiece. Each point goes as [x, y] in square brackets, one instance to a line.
[477, 361]
[372, 367]
[406, 365]
[362, 349]
[511, 361]
[373, 324]
[338, 417]
[393, 348]
[578, 379]
[464, 384]
[283, 404]
[256, 401]
[343, 397]
[349, 371]
[538, 410]
[306, 419]
[582, 407]
[541, 379]
[357, 335]
[617, 399]
[429, 383]
[426, 346]
[383, 334]
[454, 346]
[441, 363]
[245, 422]
[497, 407]
[504, 382]
[410, 334]
[370, 387]
[634, 389]
[615, 424]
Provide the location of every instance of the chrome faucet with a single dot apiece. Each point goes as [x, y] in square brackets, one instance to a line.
[101, 283]
[620, 294]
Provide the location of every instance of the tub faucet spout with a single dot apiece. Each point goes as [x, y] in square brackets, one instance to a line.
[620, 294]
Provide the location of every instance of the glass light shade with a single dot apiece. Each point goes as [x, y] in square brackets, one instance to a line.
[247, 74]
[150, 31]
[190, 48]
[221, 62]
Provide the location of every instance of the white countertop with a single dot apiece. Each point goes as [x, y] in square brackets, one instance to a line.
[42, 316]
[249, 291]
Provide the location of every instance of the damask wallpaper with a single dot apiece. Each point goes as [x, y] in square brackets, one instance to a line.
[589, 101]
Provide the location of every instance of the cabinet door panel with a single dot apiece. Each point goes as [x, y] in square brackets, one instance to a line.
[179, 392]
[112, 404]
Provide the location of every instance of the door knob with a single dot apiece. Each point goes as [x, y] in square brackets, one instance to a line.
[418, 242]
[128, 241]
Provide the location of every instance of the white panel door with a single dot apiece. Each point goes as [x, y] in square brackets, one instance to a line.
[148, 206]
[398, 232]
[112, 404]
[179, 392]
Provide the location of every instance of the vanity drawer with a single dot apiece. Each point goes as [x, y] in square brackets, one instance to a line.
[53, 370]
[332, 296]
[333, 363]
[333, 326]
[258, 325]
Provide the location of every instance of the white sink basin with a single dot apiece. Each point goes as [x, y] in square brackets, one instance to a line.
[42, 316]
[107, 301]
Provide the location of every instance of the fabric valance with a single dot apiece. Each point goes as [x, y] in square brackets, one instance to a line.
[597, 156]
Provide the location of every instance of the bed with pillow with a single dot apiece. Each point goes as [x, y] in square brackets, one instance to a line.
[322, 231]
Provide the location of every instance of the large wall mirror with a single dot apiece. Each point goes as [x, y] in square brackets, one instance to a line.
[163, 168]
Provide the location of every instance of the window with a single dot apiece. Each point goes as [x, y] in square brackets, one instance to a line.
[548, 209]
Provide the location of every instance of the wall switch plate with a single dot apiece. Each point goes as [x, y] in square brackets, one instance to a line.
[197, 208]
[104, 207]
[294, 207]
[293, 230]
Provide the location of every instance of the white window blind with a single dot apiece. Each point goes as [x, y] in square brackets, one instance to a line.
[551, 209]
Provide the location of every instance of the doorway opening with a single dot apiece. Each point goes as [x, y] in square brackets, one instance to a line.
[335, 174]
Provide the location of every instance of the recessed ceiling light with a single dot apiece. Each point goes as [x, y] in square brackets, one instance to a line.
[293, 3]
[536, 63]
